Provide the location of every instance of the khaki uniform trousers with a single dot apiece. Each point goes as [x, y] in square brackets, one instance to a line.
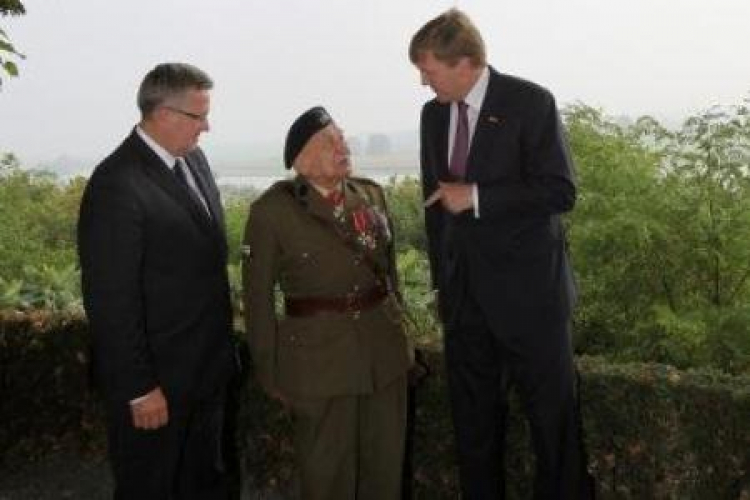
[351, 447]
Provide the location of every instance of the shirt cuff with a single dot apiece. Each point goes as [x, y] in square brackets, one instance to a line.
[138, 400]
[475, 199]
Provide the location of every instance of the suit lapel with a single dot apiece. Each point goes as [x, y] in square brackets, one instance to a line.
[441, 126]
[160, 174]
[489, 119]
[207, 190]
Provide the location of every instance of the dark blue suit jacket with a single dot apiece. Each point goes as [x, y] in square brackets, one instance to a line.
[154, 279]
[512, 259]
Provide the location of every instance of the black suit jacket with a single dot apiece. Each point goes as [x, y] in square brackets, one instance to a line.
[512, 259]
[154, 279]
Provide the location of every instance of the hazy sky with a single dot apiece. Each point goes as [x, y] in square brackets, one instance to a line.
[273, 59]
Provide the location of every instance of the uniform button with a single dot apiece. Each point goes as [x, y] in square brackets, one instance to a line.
[357, 261]
[355, 315]
[355, 288]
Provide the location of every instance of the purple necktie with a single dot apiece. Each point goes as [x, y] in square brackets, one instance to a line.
[460, 142]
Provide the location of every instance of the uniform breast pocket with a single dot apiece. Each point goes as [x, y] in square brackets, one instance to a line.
[299, 264]
[305, 258]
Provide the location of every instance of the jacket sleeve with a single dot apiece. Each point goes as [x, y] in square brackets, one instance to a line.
[111, 252]
[546, 183]
[260, 254]
[434, 214]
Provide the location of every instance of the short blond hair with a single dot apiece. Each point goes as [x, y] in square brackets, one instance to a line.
[450, 37]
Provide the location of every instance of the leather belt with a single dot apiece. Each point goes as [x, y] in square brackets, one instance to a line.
[351, 302]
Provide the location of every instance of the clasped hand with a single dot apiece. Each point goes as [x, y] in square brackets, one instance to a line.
[151, 412]
[454, 196]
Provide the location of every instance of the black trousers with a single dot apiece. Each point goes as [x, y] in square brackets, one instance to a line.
[180, 461]
[480, 365]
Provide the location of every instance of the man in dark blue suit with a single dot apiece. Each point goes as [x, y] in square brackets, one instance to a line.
[153, 255]
[496, 176]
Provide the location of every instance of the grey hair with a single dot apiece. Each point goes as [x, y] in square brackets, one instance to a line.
[168, 81]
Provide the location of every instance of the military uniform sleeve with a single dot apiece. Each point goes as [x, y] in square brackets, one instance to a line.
[259, 275]
[392, 266]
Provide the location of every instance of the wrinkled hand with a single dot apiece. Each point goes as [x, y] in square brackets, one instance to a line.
[454, 196]
[151, 412]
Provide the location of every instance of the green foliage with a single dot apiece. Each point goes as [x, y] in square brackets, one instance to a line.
[47, 403]
[42, 288]
[419, 299]
[39, 216]
[661, 238]
[236, 207]
[651, 431]
[404, 198]
[7, 51]
[11, 7]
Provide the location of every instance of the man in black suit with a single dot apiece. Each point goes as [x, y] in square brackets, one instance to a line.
[153, 254]
[496, 175]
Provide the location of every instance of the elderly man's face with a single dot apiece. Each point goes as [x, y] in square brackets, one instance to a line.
[325, 158]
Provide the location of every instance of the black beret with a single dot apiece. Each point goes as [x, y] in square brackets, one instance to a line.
[303, 128]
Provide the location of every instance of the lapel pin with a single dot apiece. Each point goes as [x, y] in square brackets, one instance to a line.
[493, 119]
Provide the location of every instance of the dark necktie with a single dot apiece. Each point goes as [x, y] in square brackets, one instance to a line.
[180, 172]
[460, 150]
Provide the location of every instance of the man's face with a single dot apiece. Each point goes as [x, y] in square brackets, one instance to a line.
[183, 120]
[325, 158]
[450, 83]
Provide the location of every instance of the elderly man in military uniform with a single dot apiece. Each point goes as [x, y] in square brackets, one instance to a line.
[337, 356]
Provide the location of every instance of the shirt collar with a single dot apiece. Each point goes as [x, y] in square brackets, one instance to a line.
[326, 191]
[475, 97]
[162, 153]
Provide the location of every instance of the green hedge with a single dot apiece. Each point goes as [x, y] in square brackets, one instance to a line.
[45, 401]
[651, 431]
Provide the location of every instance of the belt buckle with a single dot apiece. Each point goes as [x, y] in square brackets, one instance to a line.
[353, 303]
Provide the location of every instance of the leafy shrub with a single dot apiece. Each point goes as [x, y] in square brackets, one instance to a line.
[651, 430]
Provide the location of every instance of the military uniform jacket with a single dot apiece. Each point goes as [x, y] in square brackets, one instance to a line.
[296, 241]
